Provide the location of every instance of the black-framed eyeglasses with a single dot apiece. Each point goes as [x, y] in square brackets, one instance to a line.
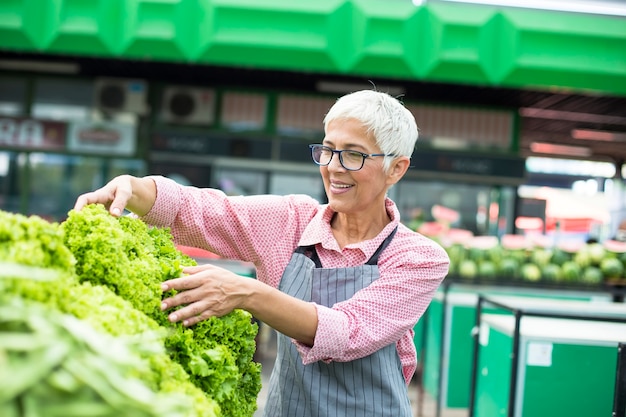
[349, 159]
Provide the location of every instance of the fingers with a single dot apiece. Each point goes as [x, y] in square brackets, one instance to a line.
[191, 280]
[89, 198]
[182, 283]
[190, 297]
[191, 314]
[120, 200]
[200, 296]
[195, 307]
[114, 196]
[115, 204]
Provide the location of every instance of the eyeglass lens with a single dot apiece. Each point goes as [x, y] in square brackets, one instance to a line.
[350, 160]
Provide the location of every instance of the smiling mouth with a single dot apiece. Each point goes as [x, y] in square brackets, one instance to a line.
[340, 186]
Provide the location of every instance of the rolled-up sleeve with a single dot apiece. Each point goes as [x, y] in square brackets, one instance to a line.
[167, 203]
[331, 338]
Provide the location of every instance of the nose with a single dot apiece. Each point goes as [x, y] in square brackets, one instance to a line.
[335, 163]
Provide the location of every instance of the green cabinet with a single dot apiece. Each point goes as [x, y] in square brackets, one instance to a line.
[447, 359]
[449, 344]
[419, 335]
[564, 367]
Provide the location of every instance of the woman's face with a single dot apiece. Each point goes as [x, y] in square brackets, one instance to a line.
[353, 191]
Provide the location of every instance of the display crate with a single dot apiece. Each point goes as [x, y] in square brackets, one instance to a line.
[565, 367]
[508, 365]
[448, 345]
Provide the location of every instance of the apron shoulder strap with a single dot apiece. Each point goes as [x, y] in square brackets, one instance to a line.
[374, 259]
[310, 252]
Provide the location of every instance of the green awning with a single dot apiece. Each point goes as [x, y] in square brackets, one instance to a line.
[435, 42]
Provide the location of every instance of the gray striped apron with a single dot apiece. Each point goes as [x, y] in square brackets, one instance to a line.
[370, 386]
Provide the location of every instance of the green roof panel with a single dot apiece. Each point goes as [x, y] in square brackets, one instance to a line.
[161, 30]
[24, 25]
[440, 42]
[463, 44]
[276, 34]
[385, 40]
[85, 25]
[580, 51]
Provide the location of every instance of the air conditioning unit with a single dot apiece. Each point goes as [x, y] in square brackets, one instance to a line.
[188, 105]
[121, 95]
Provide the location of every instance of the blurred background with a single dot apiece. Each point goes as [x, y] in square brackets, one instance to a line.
[519, 170]
[521, 106]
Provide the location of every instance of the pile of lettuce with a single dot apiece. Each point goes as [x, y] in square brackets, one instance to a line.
[56, 365]
[107, 271]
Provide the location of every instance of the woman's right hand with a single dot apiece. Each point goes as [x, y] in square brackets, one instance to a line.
[125, 191]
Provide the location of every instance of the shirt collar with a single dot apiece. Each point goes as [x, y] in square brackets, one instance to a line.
[318, 230]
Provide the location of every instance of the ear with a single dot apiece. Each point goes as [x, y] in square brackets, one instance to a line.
[398, 168]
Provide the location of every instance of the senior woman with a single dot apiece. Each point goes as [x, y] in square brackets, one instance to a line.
[343, 283]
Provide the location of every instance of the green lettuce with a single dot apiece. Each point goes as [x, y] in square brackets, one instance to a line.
[56, 365]
[133, 259]
[107, 271]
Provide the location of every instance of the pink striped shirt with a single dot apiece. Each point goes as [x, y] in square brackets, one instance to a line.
[266, 229]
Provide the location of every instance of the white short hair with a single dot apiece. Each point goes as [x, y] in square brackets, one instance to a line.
[392, 125]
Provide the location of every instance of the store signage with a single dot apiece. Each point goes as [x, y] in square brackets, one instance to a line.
[32, 134]
[469, 164]
[102, 138]
[177, 142]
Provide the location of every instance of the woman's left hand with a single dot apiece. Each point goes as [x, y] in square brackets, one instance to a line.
[206, 291]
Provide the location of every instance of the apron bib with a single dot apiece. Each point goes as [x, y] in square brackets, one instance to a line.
[369, 386]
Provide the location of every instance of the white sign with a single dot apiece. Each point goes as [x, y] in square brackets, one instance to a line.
[539, 354]
[483, 334]
[102, 138]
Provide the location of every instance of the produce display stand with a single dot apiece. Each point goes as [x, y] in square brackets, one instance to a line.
[543, 357]
[448, 343]
[619, 400]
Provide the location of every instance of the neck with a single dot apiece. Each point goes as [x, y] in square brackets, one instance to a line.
[350, 228]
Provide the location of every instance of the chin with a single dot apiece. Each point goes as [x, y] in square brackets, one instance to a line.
[339, 206]
[334, 204]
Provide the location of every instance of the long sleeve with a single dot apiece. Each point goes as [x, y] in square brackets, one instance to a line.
[265, 230]
[262, 229]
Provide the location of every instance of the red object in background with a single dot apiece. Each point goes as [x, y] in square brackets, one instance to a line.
[444, 214]
[197, 252]
[570, 225]
[432, 229]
